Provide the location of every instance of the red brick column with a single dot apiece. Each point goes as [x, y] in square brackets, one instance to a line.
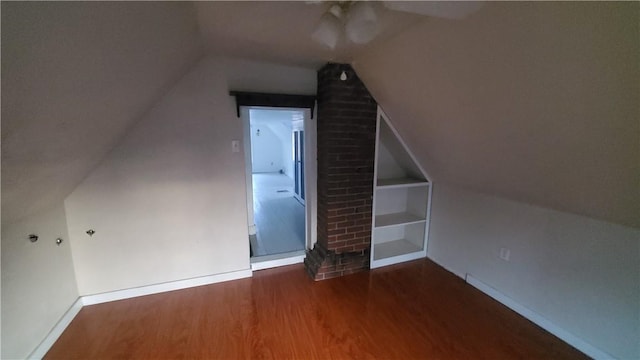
[346, 149]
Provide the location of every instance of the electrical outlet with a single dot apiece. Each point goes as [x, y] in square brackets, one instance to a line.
[505, 254]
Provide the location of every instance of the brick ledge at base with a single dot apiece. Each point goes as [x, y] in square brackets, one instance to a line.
[322, 264]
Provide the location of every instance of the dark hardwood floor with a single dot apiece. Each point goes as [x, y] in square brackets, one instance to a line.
[415, 310]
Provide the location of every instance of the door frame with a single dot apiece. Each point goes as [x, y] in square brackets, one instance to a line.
[299, 168]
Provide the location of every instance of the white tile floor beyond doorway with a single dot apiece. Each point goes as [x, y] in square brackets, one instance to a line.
[279, 217]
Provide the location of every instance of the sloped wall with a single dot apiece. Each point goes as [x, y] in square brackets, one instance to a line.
[532, 101]
[169, 201]
[75, 77]
[38, 281]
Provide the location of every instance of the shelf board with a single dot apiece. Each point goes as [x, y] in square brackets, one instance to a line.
[394, 248]
[395, 219]
[400, 182]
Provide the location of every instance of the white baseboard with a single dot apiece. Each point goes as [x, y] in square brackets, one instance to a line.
[460, 275]
[57, 330]
[164, 287]
[267, 264]
[539, 320]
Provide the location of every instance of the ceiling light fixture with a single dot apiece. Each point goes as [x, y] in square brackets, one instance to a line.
[356, 19]
[362, 23]
[328, 30]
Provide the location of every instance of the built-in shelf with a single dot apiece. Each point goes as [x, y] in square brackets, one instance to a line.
[400, 182]
[395, 219]
[401, 199]
[394, 248]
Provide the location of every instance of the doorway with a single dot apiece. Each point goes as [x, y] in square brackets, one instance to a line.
[275, 144]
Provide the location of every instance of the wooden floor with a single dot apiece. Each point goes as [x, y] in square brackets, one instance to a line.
[410, 311]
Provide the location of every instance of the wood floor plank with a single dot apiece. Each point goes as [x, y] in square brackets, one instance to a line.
[415, 310]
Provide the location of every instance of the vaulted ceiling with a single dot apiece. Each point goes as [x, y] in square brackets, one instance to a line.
[279, 31]
[536, 102]
[75, 76]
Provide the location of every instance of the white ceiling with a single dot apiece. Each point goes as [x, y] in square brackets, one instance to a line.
[536, 102]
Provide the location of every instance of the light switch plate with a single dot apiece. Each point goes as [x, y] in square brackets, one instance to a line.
[505, 254]
[235, 146]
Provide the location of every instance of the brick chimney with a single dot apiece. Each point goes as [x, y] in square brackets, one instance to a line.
[346, 149]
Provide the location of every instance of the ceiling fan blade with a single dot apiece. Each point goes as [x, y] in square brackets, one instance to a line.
[442, 9]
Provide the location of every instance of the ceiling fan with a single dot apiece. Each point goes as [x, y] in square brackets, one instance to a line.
[359, 22]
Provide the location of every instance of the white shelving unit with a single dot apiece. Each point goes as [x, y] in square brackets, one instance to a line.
[401, 201]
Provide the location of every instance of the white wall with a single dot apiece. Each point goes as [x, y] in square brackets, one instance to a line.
[38, 281]
[284, 131]
[266, 149]
[169, 202]
[581, 274]
[276, 146]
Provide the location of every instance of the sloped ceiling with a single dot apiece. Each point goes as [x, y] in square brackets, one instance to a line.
[280, 31]
[536, 102]
[75, 76]
[533, 101]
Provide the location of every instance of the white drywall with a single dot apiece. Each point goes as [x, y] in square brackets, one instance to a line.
[169, 202]
[532, 101]
[266, 149]
[38, 281]
[273, 147]
[284, 131]
[75, 77]
[581, 274]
